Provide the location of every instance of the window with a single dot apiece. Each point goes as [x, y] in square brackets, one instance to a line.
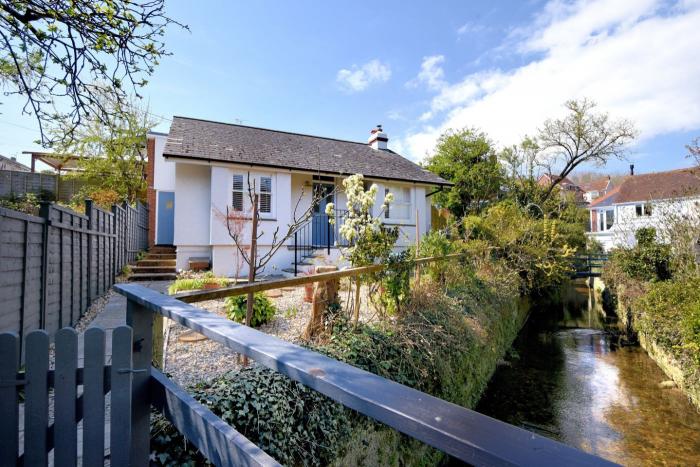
[265, 198]
[400, 208]
[643, 209]
[237, 200]
[609, 219]
[263, 187]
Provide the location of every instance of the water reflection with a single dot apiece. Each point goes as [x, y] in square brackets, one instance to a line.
[567, 379]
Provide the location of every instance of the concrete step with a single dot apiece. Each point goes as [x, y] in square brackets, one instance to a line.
[160, 256]
[152, 269]
[162, 249]
[156, 262]
[162, 276]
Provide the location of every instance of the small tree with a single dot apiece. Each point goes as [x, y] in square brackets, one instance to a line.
[248, 250]
[582, 136]
[466, 158]
[110, 154]
[369, 240]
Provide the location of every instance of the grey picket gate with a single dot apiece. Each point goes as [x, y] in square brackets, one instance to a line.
[76, 393]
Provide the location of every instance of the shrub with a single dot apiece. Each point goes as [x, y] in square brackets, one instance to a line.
[263, 309]
[670, 311]
[27, 203]
[294, 424]
[196, 282]
[649, 260]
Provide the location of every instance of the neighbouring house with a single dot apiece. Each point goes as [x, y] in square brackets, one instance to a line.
[201, 168]
[596, 188]
[646, 200]
[565, 186]
[11, 163]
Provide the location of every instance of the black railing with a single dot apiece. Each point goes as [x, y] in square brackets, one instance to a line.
[589, 266]
[316, 234]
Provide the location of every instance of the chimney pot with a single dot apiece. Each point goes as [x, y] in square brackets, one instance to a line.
[631, 169]
[377, 138]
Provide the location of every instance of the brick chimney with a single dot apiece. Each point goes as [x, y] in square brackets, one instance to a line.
[377, 138]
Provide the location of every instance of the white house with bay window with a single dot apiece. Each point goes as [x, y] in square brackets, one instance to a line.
[645, 200]
[213, 164]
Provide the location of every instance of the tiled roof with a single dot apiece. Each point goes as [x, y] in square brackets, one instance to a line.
[7, 163]
[225, 142]
[660, 185]
[607, 199]
[600, 184]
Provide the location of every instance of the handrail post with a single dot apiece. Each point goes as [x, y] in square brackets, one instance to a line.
[141, 321]
[295, 252]
[328, 234]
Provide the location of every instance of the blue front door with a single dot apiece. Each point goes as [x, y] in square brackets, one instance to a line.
[322, 232]
[166, 218]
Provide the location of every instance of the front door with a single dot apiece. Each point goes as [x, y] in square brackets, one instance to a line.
[166, 218]
[322, 232]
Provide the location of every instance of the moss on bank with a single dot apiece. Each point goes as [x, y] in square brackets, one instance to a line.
[447, 342]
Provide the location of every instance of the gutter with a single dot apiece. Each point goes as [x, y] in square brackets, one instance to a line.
[208, 161]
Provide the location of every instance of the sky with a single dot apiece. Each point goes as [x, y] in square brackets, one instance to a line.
[422, 67]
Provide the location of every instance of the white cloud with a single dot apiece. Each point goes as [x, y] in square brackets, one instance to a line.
[470, 28]
[431, 74]
[636, 59]
[359, 78]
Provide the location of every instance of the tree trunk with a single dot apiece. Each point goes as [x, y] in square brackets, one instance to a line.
[356, 316]
[251, 267]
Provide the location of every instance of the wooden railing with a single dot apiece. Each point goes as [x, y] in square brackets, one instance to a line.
[462, 433]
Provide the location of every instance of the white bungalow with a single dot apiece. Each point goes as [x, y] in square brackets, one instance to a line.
[201, 168]
[646, 200]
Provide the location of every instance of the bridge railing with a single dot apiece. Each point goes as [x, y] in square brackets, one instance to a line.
[462, 433]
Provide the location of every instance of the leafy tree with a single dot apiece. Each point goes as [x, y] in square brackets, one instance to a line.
[694, 151]
[369, 240]
[582, 136]
[54, 51]
[110, 153]
[466, 158]
[520, 163]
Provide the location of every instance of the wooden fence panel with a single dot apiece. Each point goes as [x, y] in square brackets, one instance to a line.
[54, 265]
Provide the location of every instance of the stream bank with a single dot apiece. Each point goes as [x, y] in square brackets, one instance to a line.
[568, 378]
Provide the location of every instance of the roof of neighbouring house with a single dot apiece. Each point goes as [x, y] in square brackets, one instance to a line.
[607, 199]
[226, 142]
[660, 185]
[600, 184]
[7, 163]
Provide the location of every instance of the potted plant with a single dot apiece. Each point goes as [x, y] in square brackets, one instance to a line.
[309, 287]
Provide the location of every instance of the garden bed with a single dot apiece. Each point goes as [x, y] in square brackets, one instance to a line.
[189, 363]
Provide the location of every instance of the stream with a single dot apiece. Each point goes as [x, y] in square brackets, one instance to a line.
[567, 379]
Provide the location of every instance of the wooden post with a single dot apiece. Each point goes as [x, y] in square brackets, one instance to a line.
[417, 267]
[141, 321]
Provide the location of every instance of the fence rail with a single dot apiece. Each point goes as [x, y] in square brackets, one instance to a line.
[52, 266]
[192, 296]
[465, 434]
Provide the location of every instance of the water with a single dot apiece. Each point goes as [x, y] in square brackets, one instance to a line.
[569, 380]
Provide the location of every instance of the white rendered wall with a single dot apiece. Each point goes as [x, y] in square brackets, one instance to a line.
[192, 212]
[163, 169]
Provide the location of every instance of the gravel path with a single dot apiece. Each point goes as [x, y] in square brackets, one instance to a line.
[188, 363]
